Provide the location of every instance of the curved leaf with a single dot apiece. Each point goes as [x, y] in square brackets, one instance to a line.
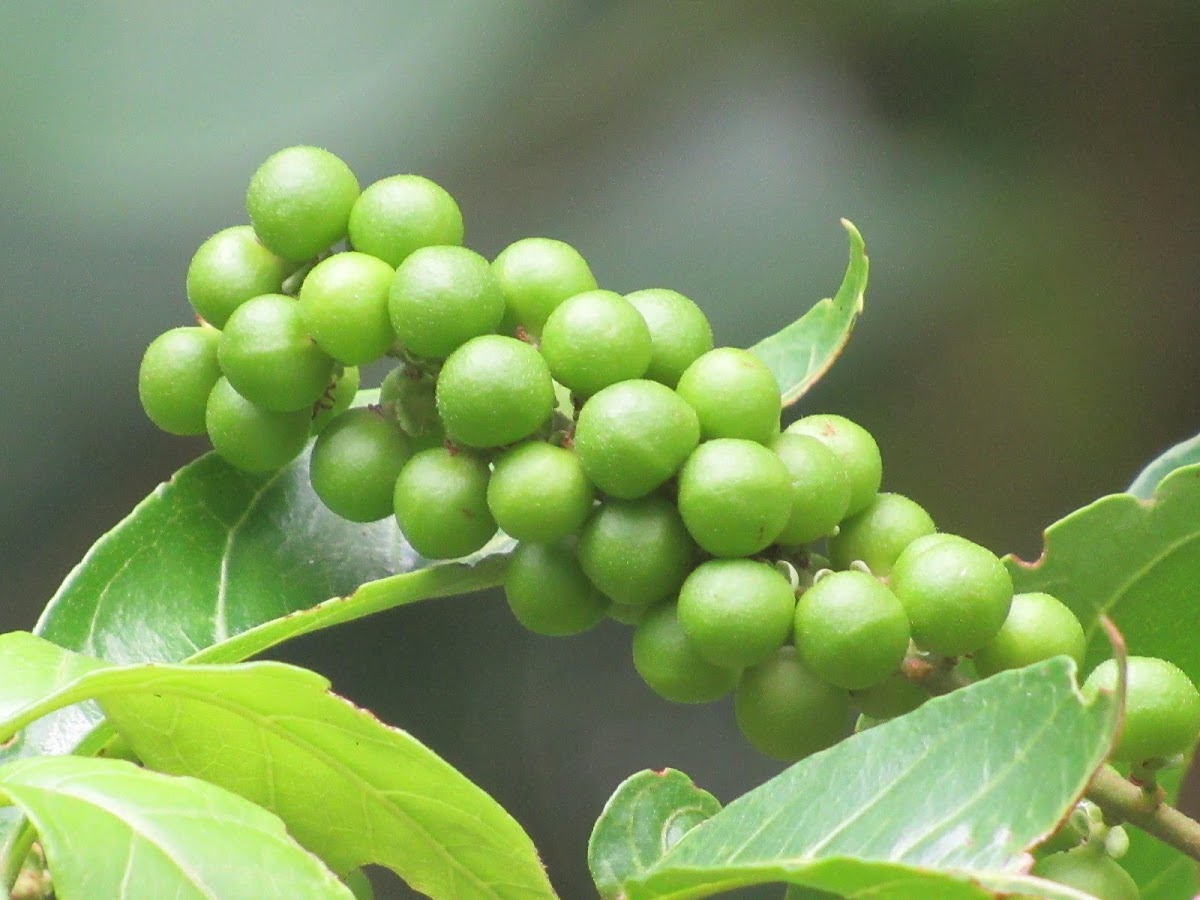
[1185, 453]
[111, 829]
[941, 802]
[1136, 561]
[351, 789]
[645, 817]
[802, 352]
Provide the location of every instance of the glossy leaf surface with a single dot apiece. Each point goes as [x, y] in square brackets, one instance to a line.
[350, 789]
[941, 802]
[800, 353]
[644, 818]
[112, 829]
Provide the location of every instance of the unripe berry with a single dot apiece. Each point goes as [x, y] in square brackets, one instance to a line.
[856, 449]
[1162, 708]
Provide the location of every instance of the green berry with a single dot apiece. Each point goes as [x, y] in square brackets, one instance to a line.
[956, 593]
[670, 665]
[178, 372]
[494, 390]
[299, 201]
[820, 488]
[336, 399]
[548, 592]
[355, 463]
[736, 612]
[1038, 627]
[595, 339]
[855, 447]
[1089, 869]
[851, 630]
[636, 551]
[734, 395]
[441, 503]
[230, 268]
[679, 332]
[894, 696]
[878, 534]
[441, 297]
[632, 436]
[269, 358]
[398, 215]
[252, 438]
[538, 492]
[536, 275]
[344, 304]
[735, 496]
[1162, 708]
[787, 712]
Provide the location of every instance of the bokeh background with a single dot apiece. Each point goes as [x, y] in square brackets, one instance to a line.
[1025, 174]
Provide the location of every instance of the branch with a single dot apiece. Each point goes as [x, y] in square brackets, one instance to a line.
[1123, 801]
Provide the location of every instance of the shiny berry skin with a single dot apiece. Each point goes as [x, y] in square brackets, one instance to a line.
[228, 269]
[878, 534]
[956, 593]
[734, 395]
[1089, 869]
[252, 438]
[855, 447]
[536, 275]
[441, 503]
[632, 436]
[787, 712]
[679, 332]
[820, 488]
[736, 612]
[595, 339]
[670, 665]
[344, 305]
[548, 592]
[441, 297]
[538, 492]
[397, 215]
[299, 201]
[1038, 627]
[493, 391]
[1162, 708]
[850, 630]
[355, 463]
[179, 370]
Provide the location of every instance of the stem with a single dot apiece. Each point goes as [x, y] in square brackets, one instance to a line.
[14, 860]
[1123, 801]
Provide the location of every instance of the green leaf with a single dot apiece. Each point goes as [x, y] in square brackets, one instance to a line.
[942, 802]
[644, 818]
[351, 789]
[1136, 561]
[1185, 453]
[111, 829]
[802, 352]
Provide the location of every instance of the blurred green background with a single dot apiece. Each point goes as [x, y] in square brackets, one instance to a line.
[1025, 174]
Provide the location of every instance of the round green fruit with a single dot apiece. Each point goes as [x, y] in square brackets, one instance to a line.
[735, 496]
[670, 665]
[680, 333]
[344, 305]
[252, 438]
[1162, 708]
[1089, 869]
[441, 503]
[595, 339]
[736, 612]
[855, 447]
[178, 372]
[268, 357]
[1038, 627]
[535, 276]
[956, 593]
[632, 436]
[548, 592]
[878, 534]
[851, 630]
[636, 551]
[787, 712]
[228, 269]
[493, 391]
[538, 492]
[734, 395]
[355, 463]
[820, 488]
[894, 696]
[299, 201]
[398, 215]
[441, 297]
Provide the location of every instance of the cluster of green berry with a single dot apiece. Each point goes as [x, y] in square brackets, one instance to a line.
[643, 472]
